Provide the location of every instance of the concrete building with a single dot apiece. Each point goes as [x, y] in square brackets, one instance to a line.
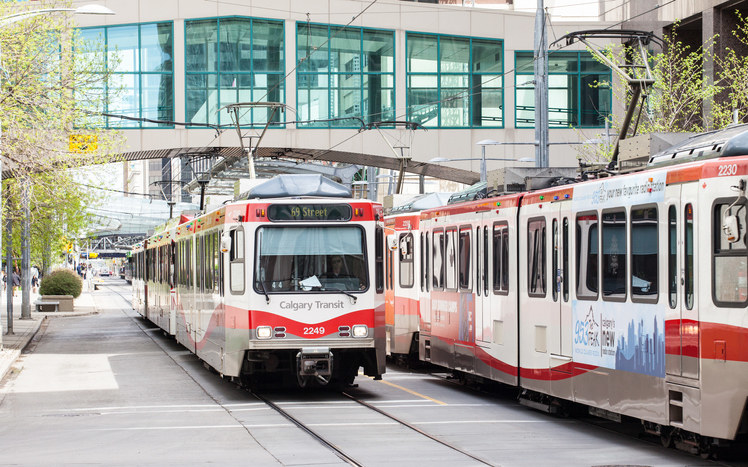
[463, 74]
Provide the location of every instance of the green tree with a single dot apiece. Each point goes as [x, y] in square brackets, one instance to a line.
[732, 75]
[674, 102]
[50, 102]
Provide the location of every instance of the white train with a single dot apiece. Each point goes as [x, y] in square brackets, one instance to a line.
[288, 284]
[628, 294]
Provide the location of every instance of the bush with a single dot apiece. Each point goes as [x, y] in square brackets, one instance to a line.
[61, 282]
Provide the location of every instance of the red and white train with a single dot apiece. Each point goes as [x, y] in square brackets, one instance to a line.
[287, 284]
[627, 294]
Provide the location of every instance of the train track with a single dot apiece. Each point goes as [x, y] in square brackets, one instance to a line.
[326, 442]
[340, 452]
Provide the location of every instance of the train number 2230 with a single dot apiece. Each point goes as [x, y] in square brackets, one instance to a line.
[728, 169]
[314, 331]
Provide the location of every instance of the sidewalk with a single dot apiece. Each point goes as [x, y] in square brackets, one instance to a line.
[25, 329]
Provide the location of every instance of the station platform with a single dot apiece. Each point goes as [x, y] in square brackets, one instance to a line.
[25, 329]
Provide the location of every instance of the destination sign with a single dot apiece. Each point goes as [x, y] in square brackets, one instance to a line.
[309, 212]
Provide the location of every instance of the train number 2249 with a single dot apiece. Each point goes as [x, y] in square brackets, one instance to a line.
[314, 331]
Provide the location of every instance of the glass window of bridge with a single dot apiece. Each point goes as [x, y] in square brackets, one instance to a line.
[579, 92]
[230, 60]
[454, 82]
[343, 75]
[141, 85]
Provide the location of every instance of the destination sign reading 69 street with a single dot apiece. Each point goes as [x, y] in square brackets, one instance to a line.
[309, 212]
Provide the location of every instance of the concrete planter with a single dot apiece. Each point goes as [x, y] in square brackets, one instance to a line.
[66, 301]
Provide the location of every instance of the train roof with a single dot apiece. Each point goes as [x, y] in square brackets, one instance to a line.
[421, 202]
[727, 142]
[298, 185]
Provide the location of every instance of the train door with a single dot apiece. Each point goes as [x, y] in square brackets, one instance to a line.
[560, 319]
[682, 315]
[482, 322]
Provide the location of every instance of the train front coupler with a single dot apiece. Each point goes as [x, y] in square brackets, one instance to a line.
[314, 362]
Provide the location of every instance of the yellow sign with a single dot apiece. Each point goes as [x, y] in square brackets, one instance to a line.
[83, 143]
[93, 255]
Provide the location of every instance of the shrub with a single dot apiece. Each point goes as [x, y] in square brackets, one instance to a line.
[61, 282]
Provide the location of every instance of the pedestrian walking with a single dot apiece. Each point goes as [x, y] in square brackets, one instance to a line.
[5, 280]
[16, 280]
[34, 278]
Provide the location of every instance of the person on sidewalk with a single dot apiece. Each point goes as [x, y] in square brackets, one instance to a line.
[16, 280]
[34, 278]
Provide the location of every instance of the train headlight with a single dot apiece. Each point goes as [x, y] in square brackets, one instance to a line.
[264, 332]
[360, 330]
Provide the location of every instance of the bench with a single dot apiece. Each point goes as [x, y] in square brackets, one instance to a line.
[47, 305]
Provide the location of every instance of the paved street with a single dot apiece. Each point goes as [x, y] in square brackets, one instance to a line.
[109, 388]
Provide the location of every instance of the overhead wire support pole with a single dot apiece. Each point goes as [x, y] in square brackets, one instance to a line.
[541, 87]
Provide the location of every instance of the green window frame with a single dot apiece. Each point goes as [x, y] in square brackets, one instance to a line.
[140, 60]
[234, 59]
[579, 90]
[344, 72]
[454, 81]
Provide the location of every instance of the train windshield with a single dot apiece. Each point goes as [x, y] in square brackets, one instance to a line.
[310, 259]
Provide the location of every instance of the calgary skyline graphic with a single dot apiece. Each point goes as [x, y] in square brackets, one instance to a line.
[641, 352]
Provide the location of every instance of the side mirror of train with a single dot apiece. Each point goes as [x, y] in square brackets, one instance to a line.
[392, 242]
[731, 229]
[225, 243]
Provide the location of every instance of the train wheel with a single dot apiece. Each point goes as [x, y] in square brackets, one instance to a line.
[666, 436]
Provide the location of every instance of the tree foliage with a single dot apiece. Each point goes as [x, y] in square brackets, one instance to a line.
[732, 76]
[51, 90]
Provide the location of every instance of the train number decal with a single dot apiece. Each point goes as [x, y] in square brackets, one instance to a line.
[318, 331]
[727, 170]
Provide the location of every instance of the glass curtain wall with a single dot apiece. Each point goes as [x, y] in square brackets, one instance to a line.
[139, 57]
[454, 82]
[579, 93]
[231, 60]
[344, 72]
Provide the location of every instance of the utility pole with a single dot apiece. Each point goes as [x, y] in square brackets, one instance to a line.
[541, 88]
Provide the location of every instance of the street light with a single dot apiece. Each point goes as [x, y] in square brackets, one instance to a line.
[90, 9]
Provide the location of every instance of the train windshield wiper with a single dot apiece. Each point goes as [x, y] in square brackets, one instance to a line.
[327, 289]
[262, 286]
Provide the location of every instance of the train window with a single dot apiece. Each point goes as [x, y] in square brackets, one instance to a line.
[464, 260]
[310, 259]
[450, 259]
[587, 258]
[201, 263]
[644, 259]
[614, 254]
[565, 262]
[426, 262]
[236, 266]
[730, 255]
[554, 270]
[672, 256]
[216, 262]
[379, 259]
[438, 263]
[485, 267]
[188, 263]
[390, 282]
[688, 255]
[478, 262]
[501, 258]
[405, 251]
[423, 260]
[536, 255]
